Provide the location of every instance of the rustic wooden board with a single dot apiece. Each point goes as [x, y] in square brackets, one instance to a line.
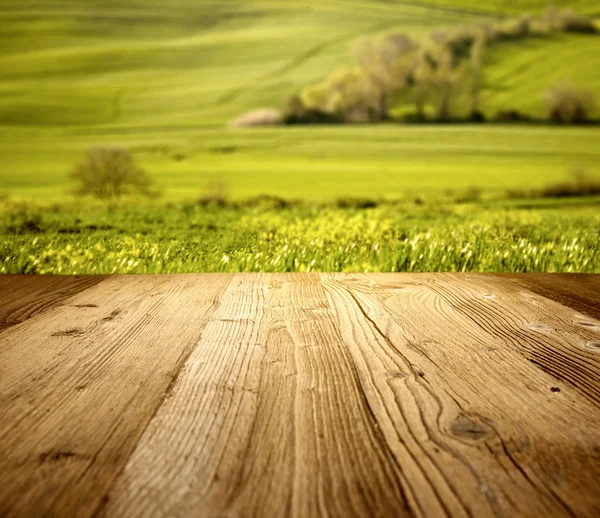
[300, 395]
[578, 291]
[80, 382]
[24, 296]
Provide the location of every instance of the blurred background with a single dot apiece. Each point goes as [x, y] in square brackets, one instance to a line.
[359, 135]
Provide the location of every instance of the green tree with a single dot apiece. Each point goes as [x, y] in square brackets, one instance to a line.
[422, 83]
[388, 61]
[476, 55]
[568, 104]
[349, 94]
[108, 173]
[447, 80]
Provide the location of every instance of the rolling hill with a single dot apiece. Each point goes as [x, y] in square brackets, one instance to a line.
[165, 80]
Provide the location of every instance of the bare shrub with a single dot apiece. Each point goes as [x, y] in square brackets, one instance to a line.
[23, 218]
[471, 195]
[108, 173]
[566, 20]
[582, 183]
[270, 201]
[510, 115]
[572, 22]
[260, 117]
[295, 112]
[215, 194]
[569, 104]
[514, 29]
[350, 202]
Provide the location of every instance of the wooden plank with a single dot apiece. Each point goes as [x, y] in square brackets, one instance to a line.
[578, 291]
[442, 360]
[24, 296]
[79, 383]
[551, 336]
[267, 419]
[303, 395]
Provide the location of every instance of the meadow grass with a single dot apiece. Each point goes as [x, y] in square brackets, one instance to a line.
[439, 236]
[164, 82]
[313, 163]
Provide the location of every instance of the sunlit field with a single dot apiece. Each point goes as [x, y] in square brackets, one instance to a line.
[317, 163]
[410, 236]
[163, 81]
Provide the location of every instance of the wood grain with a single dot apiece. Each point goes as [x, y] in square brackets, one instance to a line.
[575, 290]
[95, 373]
[269, 411]
[24, 296]
[490, 433]
[302, 395]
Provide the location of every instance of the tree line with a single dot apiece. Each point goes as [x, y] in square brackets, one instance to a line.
[441, 79]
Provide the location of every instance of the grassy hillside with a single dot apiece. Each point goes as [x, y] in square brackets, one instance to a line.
[197, 62]
[164, 81]
[517, 73]
[313, 163]
[517, 6]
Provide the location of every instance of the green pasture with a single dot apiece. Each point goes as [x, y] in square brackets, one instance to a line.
[164, 80]
[516, 74]
[391, 161]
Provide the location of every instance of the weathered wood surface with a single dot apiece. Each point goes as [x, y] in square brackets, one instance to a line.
[304, 395]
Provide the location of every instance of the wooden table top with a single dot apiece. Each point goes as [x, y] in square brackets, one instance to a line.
[304, 395]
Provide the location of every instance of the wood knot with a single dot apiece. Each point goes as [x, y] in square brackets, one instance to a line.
[588, 324]
[540, 328]
[114, 314]
[466, 428]
[57, 456]
[594, 346]
[69, 332]
[396, 375]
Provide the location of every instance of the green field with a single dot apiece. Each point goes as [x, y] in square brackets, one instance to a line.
[437, 236]
[164, 81]
[516, 72]
[317, 163]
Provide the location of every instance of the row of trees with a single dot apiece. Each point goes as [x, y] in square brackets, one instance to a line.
[443, 76]
[387, 68]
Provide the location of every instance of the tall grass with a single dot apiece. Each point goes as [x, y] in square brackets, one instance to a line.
[395, 237]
